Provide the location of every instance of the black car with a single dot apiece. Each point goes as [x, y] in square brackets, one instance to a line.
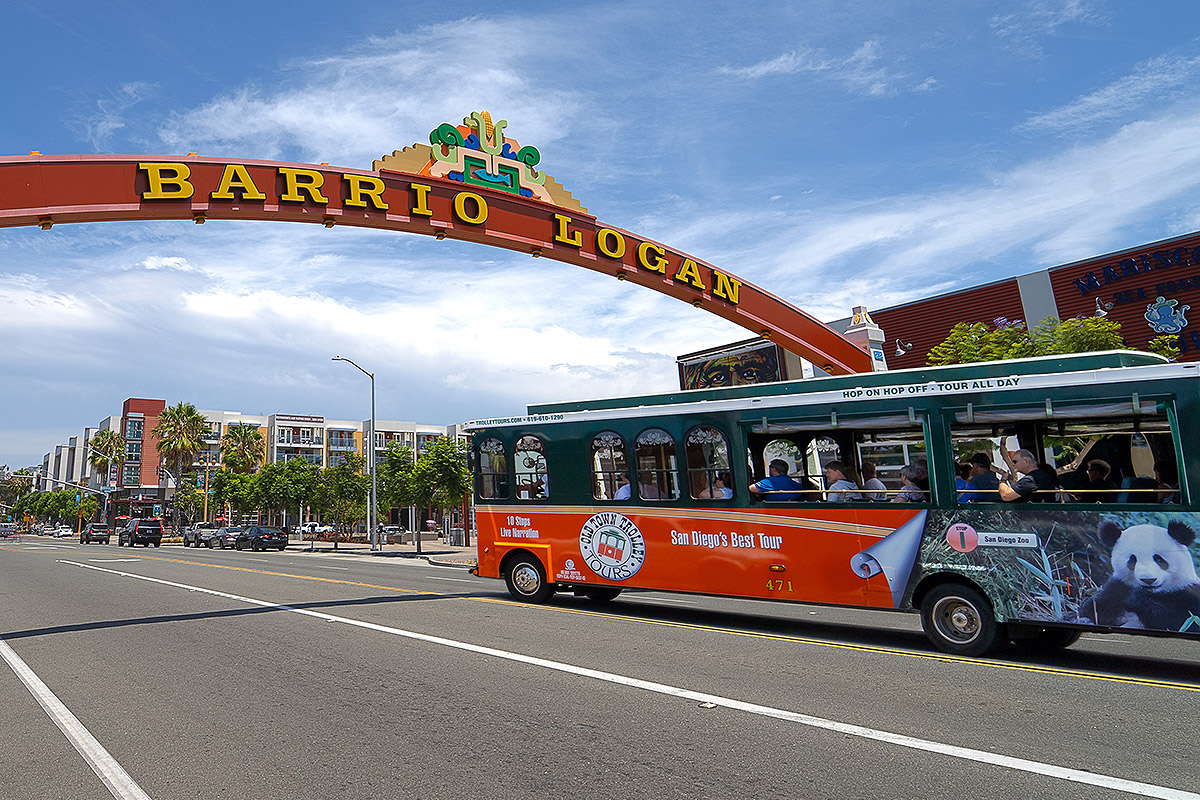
[224, 537]
[95, 532]
[258, 537]
[145, 532]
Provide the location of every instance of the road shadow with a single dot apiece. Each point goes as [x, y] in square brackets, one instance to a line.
[325, 605]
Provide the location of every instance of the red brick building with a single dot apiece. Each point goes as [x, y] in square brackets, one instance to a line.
[1157, 284]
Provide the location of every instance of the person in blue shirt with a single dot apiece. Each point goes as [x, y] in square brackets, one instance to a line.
[984, 484]
[778, 486]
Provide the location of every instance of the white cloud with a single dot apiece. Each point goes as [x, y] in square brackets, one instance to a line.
[109, 117]
[353, 108]
[862, 71]
[1154, 81]
[1022, 28]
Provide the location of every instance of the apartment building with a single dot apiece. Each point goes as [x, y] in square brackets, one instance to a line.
[140, 486]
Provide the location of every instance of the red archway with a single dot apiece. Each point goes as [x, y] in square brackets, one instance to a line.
[49, 190]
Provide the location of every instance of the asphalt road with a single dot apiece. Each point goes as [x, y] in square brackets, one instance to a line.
[221, 674]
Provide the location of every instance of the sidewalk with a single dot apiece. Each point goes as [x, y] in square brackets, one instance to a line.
[435, 552]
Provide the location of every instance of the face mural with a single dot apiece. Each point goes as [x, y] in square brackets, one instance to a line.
[752, 366]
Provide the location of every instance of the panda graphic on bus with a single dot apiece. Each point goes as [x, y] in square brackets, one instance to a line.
[612, 546]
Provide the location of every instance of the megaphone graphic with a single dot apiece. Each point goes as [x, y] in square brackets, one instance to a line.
[893, 555]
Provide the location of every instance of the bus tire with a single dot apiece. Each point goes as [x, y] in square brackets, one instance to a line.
[527, 580]
[1035, 639]
[601, 594]
[959, 620]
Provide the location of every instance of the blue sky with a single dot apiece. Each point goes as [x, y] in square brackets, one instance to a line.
[834, 153]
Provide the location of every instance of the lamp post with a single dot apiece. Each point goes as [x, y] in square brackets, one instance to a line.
[370, 453]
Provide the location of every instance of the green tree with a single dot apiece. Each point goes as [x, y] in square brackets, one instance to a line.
[107, 448]
[971, 342]
[242, 448]
[16, 486]
[345, 491]
[289, 485]
[180, 430]
[441, 478]
[1166, 345]
[395, 479]
[235, 490]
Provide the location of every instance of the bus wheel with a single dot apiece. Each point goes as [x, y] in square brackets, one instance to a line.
[1035, 639]
[958, 620]
[527, 580]
[601, 594]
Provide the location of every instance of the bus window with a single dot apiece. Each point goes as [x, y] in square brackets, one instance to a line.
[533, 481]
[493, 470]
[610, 467]
[657, 468]
[1118, 452]
[890, 443]
[707, 455]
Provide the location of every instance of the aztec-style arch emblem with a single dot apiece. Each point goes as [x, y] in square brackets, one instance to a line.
[471, 182]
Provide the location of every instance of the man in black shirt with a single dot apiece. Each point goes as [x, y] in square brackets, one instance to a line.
[1036, 486]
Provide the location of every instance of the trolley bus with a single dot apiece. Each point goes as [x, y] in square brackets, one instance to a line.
[655, 493]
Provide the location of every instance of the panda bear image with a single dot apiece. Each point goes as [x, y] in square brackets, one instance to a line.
[1154, 583]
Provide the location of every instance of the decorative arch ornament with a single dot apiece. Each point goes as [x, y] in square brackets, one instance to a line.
[471, 183]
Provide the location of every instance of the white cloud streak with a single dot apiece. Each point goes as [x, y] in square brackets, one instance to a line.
[1157, 80]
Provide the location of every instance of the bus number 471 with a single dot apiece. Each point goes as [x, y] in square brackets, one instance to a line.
[778, 585]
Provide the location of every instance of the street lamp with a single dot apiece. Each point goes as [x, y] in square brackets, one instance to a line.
[370, 452]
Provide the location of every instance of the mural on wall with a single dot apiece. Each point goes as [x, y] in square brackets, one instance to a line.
[757, 365]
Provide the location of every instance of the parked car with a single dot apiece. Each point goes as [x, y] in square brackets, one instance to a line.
[225, 537]
[145, 532]
[393, 534]
[315, 527]
[95, 532]
[258, 537]
[195, 535]
[63, 532]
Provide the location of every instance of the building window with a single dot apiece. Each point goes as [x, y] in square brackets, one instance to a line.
[133, 429]
[610, 467]
[133, 450]
[530, 462]
[657, 467]
[131, 475]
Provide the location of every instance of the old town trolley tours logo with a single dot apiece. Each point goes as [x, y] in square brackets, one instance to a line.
[612, 546]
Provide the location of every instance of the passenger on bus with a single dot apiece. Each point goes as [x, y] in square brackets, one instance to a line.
[1168, 481]
[720, 489]
[778, 486]
[623, 491]
[840, 488]
[983, 483]
[1099, 487]
[873, 488]
[911, 491]
[962, 476]
[648, 487]
[1035, 485]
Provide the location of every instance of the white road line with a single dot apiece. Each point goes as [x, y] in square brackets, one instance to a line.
[104, 765]
[322, 566]
[114, 560]
[954, 751]
[456, 580]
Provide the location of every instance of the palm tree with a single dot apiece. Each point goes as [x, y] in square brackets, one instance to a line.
[180, 430]
[242, 448]
[107, 448]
